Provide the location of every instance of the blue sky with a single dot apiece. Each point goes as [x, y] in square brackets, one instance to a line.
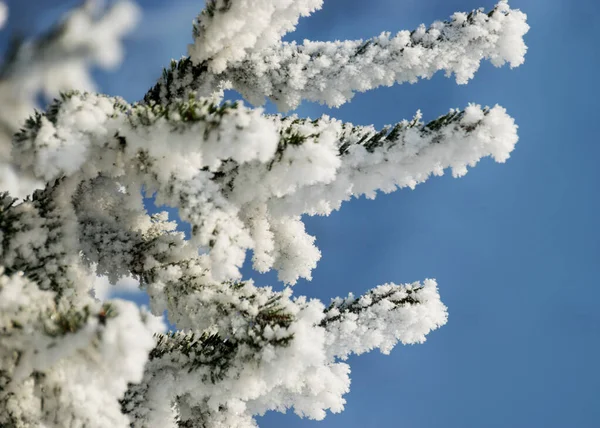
[514, 247]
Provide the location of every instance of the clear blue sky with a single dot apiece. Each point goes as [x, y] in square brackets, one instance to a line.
[515, 247]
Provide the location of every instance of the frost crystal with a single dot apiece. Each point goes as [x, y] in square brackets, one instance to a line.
[242, 179]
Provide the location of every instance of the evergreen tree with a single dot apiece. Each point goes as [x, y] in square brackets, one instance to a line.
[72, 208]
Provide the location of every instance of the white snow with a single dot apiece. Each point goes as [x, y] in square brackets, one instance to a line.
[243, 180]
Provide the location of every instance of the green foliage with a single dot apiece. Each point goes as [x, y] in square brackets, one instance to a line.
[168, 86]
[39, 210]
[179, 113]
[212, 7]
[357, 306]
[205, 350]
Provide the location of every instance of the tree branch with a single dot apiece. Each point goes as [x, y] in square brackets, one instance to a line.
[331, 72]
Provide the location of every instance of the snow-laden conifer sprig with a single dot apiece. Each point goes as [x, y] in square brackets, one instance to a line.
[402, 155]
[83, 130]
[345, 160]
[39, 239]
[58, 60]
[57, 362]
[227, 361]
[58, 344]
[179, 80]
[331, 72]
[382, 317]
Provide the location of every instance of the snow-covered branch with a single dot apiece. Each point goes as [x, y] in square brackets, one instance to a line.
[59, 60]
[258, 334]
[57, 360]
[382, 317]
[331, 72]
[402, 155]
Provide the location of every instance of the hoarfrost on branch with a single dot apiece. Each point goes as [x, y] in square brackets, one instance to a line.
[72, 210]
